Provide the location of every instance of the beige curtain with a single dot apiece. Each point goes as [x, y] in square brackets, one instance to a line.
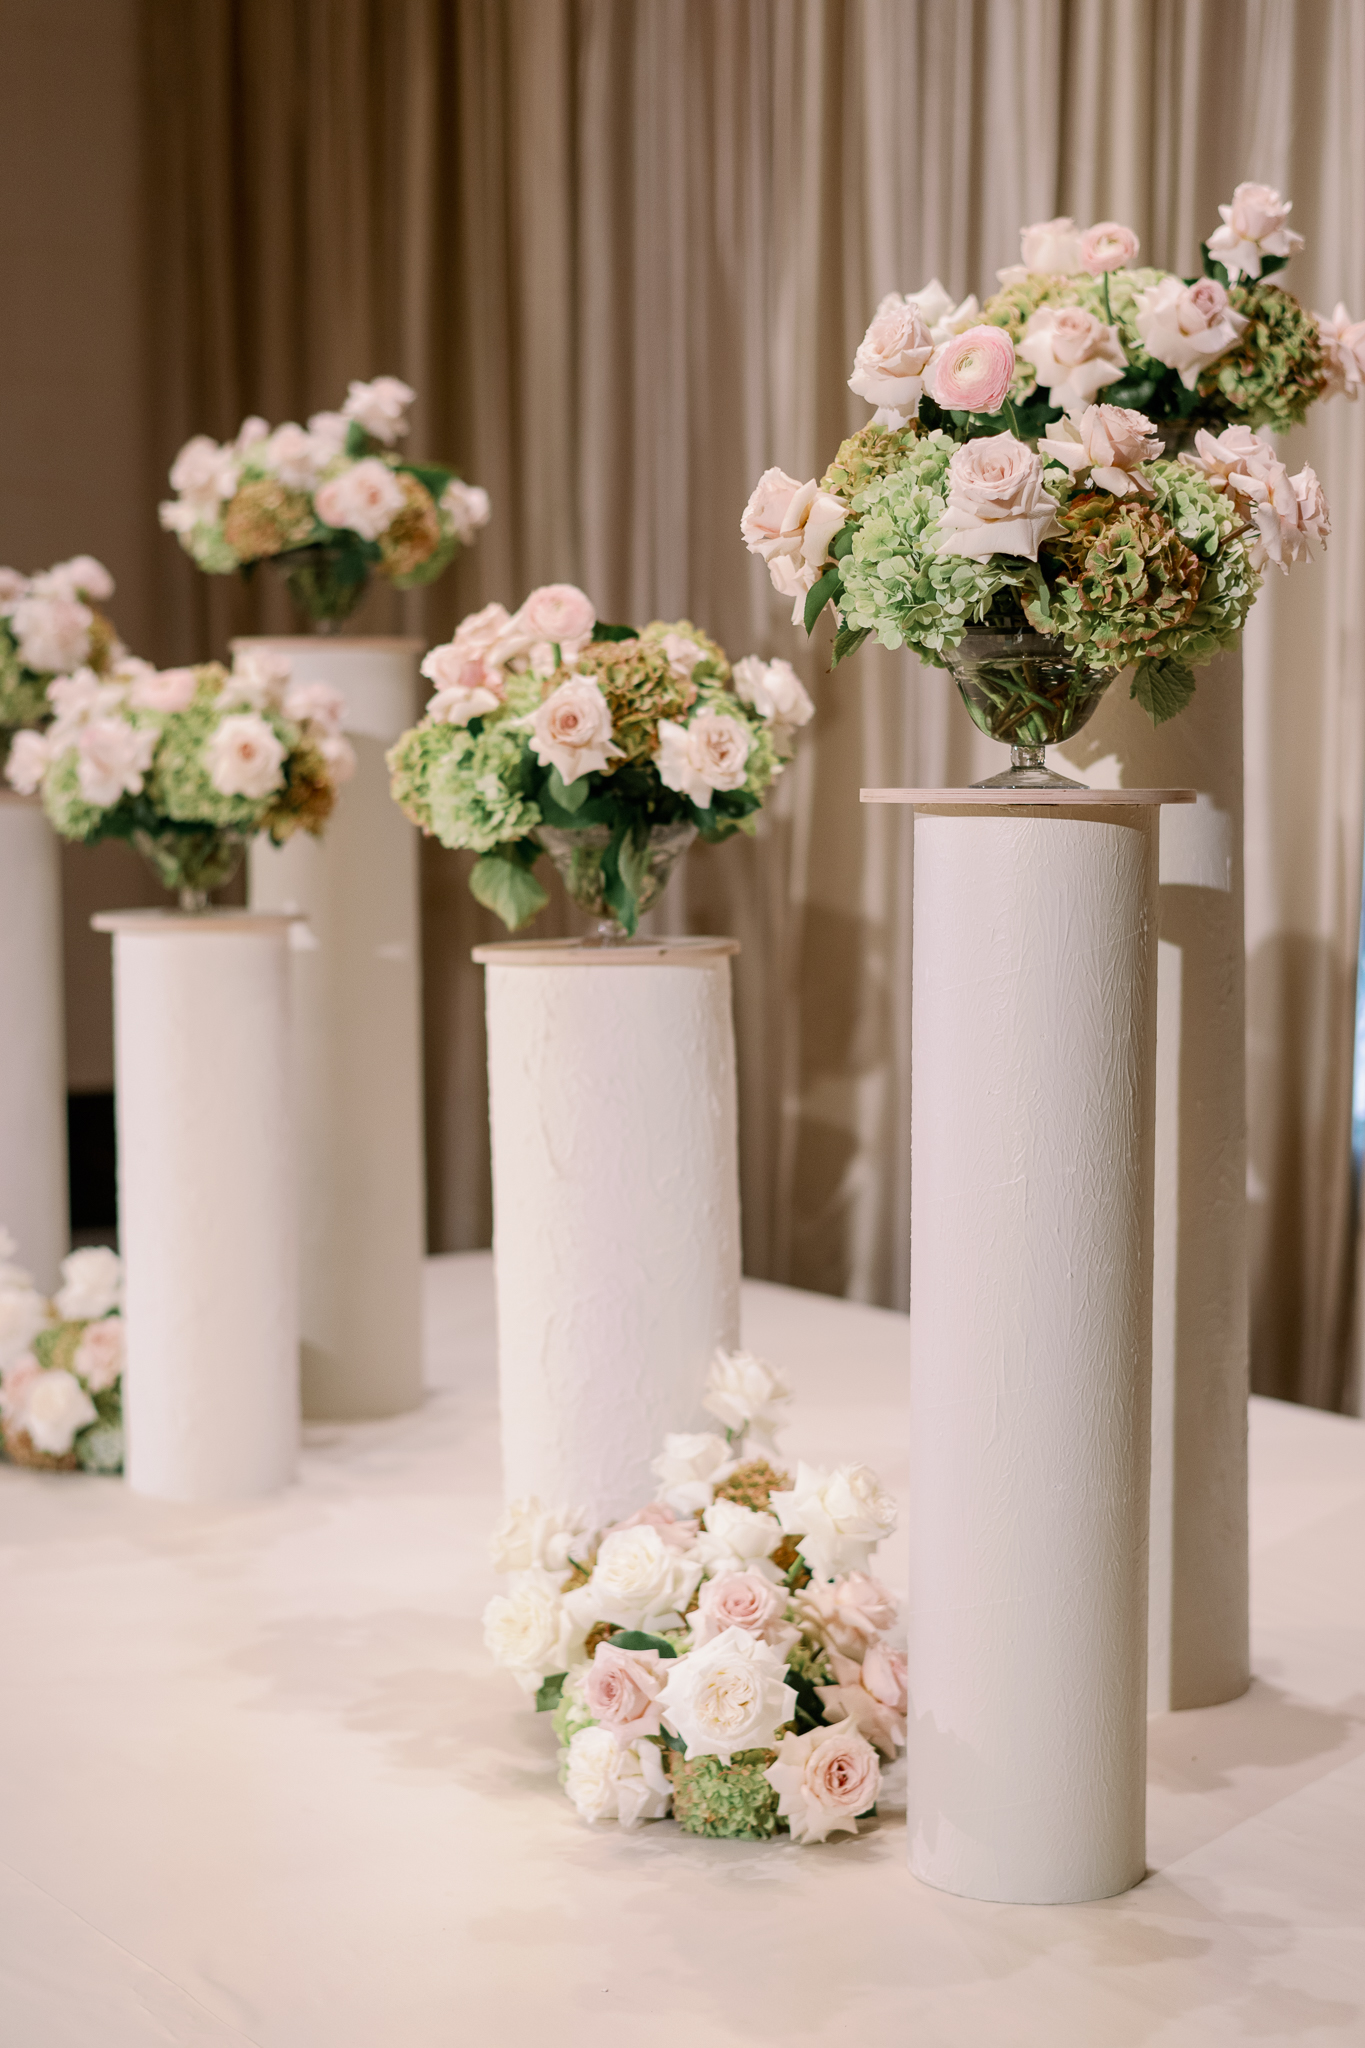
[625, 250]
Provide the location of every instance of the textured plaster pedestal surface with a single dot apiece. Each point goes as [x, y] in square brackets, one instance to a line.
[1198, 1650]
[358, 1046]
[207, 1202]
[33, 1201]
[268, 1791]
[611, 1073]
[1033, 1044]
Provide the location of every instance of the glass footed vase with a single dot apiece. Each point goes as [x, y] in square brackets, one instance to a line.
[577, 853]
[1028, 692]
[190, 860]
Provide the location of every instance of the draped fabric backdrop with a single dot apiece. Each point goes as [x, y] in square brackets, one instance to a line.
[625, 249]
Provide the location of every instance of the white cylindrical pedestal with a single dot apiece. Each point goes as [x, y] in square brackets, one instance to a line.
[358, 1047]
[33, 1197]
[1198, 1635]
[207, 1202]
[1033, 1042]
[616, 1241]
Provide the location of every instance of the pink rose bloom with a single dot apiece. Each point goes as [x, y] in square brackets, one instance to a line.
[791, 525]
[622, 1691]
[973, 371]
[1107, 246]
[1049, 248]
[824, 1780]
[1343, 342]
[998, 503]
[860, 1696]
[167, 689]
[1187, 327]
[29, 756]
[558, 612]
[1074, 353]
[889, 364]
[98, 1358]
[1255, 225]
[315, 704]
[743, 1600]
[16, 1381]
[846, 1614]
[571, 730]
[1111, 441]
[884, 1676]
[467, 670]
[678, 1535]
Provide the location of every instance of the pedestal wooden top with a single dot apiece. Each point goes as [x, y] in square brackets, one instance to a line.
[349, 643]
[1027, 799]
[604, 952]
[218, 918]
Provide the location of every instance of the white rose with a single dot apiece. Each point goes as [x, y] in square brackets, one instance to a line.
[1343, 343]
[571, 730]
[380, 407]
[531, 1536]
[689, 1469]
[737, 1539]
[730, 1694]
[709, 754]
[260, 677]
[77, 700]
[92, 1284]
[998, 502]
[824, 1780]
[82, 576]
[98, 1357]
[23, 1312]
[467, 507]
[888, 368]
[529, 1631]
[1253, 226]
[941, 315]
[1110, 441]
[1074, 354]
[791, 525]
[53, 633]
[292, 455]
[638, 1581]
[746, 1394]
[1186, 327]
[364, 499]
[55, 1407]
[29, 757]
[316, 704]
[839, 1516]
[245, 757]
[683, 654]
[777, 693]
[112, 758]
[327, 431]
[607, 1782]
[203, 476]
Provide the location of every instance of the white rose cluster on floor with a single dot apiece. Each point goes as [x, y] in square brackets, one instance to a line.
[61, 1363]
[724, 1651]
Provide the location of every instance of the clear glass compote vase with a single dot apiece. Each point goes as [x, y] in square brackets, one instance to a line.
[1028, 692]
[191, 860]
[577, 853]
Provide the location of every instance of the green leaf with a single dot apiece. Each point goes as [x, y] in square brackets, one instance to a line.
[568, 796]
[842, 543]
[358, 442]
[1270, 264]
[640, 1639]
[810, 1711]
[602, 631]
[1212, 267]
[831, 585]
[504, 885]
[547, 1698]
[1163, 688]
[620, 898]
[847, 641]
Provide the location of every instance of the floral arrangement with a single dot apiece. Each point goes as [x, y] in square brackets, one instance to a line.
[1016, 476]
[332, 502]
[49, 625]
[61, 1364]
[186, 763]
[723, 1651]
[609, 748]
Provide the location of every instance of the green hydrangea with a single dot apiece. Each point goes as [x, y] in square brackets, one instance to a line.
[210, 548]
[67, 809]
[895, 585]
[474, 793]
[809, 1661]
[23, 696]
[732, 1801]
[1124, 286]
[866, 457]
[1273, 373]
[567, 1719]
[1119, 580]
[179, 786]
[715, 662]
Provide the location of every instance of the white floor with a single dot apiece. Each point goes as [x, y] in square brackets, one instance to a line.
[260, 1784]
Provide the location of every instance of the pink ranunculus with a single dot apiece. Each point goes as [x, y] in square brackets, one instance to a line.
[678, 1534]
[1108, 246]
[743, 1600]
[622, 1691]
[973, 371]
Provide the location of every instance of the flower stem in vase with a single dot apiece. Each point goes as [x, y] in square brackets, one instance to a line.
[194, 902]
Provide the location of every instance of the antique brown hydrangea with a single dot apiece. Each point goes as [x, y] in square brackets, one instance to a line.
[307, 799]
[1119, 576]
[733, 1801]
[1276, 369]
[641, 686]
[751, 1484]
[265, 518]
[867, 456]
[414, 534]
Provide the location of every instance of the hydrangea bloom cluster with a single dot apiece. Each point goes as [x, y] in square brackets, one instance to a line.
[546, 722]
[332, 501]
[723, 1652]
[186, 763]
[61, 1364]
[49, 623]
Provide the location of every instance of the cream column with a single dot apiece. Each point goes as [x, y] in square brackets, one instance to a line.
[616, 1240]
[1198, 1650]
[357, 1047]
[1033, 1053]
[207, 1202]
[33, 1197]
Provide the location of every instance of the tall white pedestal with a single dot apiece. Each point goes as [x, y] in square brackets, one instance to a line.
[33, 1197]
[1033, 1053]
[1198, 1645]
[358, 1047]
[207, 1202]
[616, 1240]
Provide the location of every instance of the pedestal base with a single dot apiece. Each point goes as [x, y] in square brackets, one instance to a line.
[33, 1192]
